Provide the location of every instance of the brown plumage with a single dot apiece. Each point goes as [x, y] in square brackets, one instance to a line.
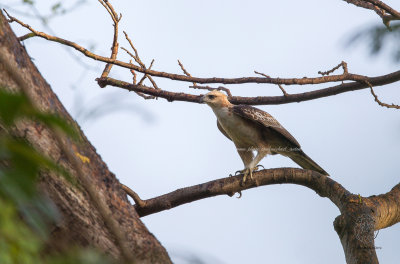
[252, 129]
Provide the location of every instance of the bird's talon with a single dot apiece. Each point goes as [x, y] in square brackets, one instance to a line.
[238, 172]
[256, 168]
[240, 194]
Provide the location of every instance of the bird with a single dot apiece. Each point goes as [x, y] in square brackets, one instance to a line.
[255, 131]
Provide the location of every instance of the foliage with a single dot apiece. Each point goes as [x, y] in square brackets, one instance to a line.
[25, 213]
[378, 38]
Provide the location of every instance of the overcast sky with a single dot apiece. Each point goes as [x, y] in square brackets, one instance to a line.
[155, 146]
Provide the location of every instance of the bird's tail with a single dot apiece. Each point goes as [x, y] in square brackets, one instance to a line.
[307, 163]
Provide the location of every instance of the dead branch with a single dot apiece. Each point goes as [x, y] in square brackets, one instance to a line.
[115, 44]
[279, 85]
[342, 64]
[383, 10]
[209, 88]
[259, 100]
[186, 72]
[322, 185]
[178, 77]
[379, 101]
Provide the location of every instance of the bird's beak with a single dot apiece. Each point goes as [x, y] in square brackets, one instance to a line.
[202, 99]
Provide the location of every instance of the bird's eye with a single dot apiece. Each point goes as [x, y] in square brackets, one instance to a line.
[211, 96]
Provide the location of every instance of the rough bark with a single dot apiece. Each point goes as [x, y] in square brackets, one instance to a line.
[80, 224]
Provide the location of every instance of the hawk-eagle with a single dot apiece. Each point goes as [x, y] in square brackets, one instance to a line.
[253, 130]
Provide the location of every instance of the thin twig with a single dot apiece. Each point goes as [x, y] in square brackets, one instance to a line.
[115, 44]
[145, 75]
[136, 56]
[283, 90]
[379, 101]
[170, 96]
[262, 74]
[146, 97]
[279, 85]
[185, 71]
[343, 64]
[209, 88]
[134, 75]
[380, 8]
[178, 77]
[110, 10]
[26, 36]
[139, 202]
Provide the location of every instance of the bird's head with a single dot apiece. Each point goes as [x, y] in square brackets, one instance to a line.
[215, 99]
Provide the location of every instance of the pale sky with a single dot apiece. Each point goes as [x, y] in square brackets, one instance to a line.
[159, 146]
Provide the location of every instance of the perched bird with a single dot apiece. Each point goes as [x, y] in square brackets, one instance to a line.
[253, 130]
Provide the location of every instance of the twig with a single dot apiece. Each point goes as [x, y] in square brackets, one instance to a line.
[185, 71]
[209, 88]
[142, 65]
[178, 77]
[267, 76]
[115, 44]
[26, 36]
[145, 75]
[377, 99]
[110, 10]
[134, 75]
[380, 8]
[146, 97]
[262, 74]
[283, 90]
[343, 64]
[136, 56]
[139, 202]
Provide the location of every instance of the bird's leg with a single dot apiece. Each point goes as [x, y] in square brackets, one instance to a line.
[253, 166]
[247, 171]
[246, 155]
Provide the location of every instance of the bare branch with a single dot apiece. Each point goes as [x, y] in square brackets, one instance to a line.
[139, 202]
[377, 99]
[185, 71]
[323, 185]
[283, 90]
[342, 64]
[379, 7]
[259, 100]
[209, 88]
[177, 77]
[115, 44]
[136, 56]
[279, 85]
[26, 36]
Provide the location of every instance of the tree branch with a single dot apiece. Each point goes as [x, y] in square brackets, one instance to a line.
[177, 77]
[259, 100]
[115, 45]
[383, 10]
[322, 185]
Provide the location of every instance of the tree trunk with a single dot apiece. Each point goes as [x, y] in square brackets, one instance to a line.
[81, 223]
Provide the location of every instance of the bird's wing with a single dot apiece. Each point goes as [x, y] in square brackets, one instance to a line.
[263, 118]
[222, 130]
